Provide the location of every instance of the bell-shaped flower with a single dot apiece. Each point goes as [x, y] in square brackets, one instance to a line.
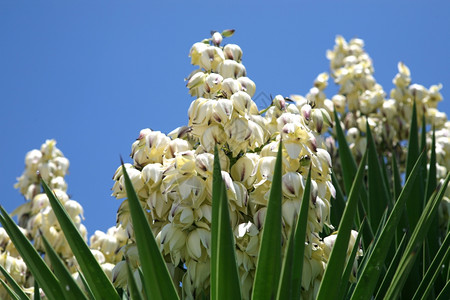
[196, 52]
[222, 111]
[231, 69]
[230, 86]
[196, 84]
[233, 52]
[213, 83]
[243, 169]
[213, 135]
[211, 57]
[248, 85]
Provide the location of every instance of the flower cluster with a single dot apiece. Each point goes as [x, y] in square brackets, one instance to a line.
[13, 264]
[37, 218]
[172, 174]
[360, 99]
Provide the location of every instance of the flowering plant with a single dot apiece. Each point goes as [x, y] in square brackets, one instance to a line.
[252, 204]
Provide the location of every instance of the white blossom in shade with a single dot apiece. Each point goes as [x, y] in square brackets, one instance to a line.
[244, 169]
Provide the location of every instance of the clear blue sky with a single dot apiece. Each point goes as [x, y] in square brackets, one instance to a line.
[92, 74]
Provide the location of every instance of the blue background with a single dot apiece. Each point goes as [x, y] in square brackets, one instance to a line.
[92, 74]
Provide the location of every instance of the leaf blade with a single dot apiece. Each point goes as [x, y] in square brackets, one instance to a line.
[35, 263]
[224, 273]
[369, 276]
[99, 283]
[268, 267]
[157, 279]
[336, 262]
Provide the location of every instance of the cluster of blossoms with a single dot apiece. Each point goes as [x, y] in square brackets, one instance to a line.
[172, 174]
[36, 218]
[360, 99]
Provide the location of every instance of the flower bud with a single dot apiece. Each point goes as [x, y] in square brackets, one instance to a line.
[216, 38]
[279, 102]
[306, 112]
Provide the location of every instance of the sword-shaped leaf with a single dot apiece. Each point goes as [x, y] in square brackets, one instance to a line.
[371, 272]
[331, 281]
[268, 268]
[157, 280]
[99, 283]
[224, 273]
[17, 290]
[33, 260]
[291, 278]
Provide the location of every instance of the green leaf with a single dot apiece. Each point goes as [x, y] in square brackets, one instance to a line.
[18, 292]
[378, 191]
[157, 279]
[224, 272]
[445, 293]
[10, 291]
[227, 32]
[331, 281]
[370, 273]
[441, 258]
[99, 283]
[391, 270]
[414, 244]
[348, 173]
[346, 157]
[285, 286]
[37, 292]
[33, 260]
[135, 294]
[86, 285]
[291, 280]
[431, 183]
[70, 288]
[397, 189]
[415, 205]
[268, 268]
[338, 203]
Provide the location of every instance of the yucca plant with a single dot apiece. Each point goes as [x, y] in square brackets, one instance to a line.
[392, 225]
